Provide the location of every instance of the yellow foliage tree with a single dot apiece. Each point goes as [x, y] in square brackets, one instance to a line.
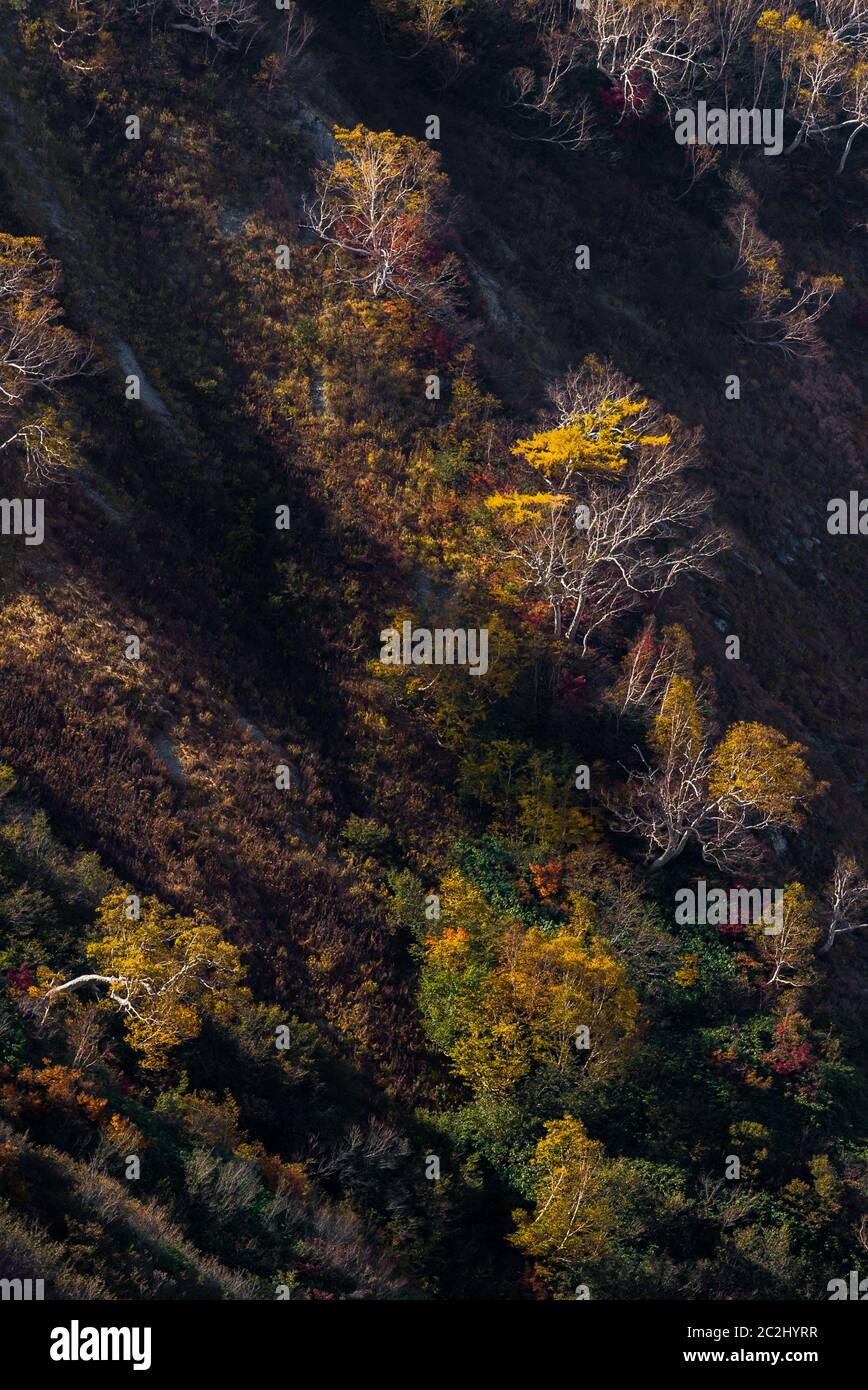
[618, 521]
[787, 948]
[500, 999]
[165, 973]
[755, 765]
[813, 65]
[556, 983]
[688, 971]
[465, 909]
[678, 722]
[378, 208]
[518, 507]
[598, 439]
[573, 1212]
[718, 797]
[550, 822]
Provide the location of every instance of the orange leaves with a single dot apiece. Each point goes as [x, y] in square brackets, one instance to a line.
[450, 950]
[502, 999]
[547, 878]
[53, 1087]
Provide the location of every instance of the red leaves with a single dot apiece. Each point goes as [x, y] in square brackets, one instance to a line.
[19, 979]
[538, 614]
[570, 688]
[791, 1053]
[436, 343]
[633, 102]
[732, 928]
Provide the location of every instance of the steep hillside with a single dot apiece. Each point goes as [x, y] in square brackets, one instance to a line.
[344, 921]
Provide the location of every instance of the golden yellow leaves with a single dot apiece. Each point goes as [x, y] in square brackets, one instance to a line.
[788, 950]
[517, 507]
[687, 973]
[165, 973]
[756, 765]
[571, 1181]
[597, 440]
[678, 723]
[501, 999]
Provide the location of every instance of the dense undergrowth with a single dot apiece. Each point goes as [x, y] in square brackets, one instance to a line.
[426, 904]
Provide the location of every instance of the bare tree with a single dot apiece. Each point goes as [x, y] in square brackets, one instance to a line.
[375, 1148]
[716, 798]
[46, 453]
[778, 317]
[731, 51]
[656, 42]
[570, 124]
[648, 668]
[299, 29]
[700, 161]
[429, 27]
[854, 105]
[433, 22]
[81, 21]
[668, 805]
[845, 20]
[35, 350]
[582, 391]
[788, 947]
[37, 354]
[541, 91]
[845, 901]
[225, 22]
[26, 266]
[788, 321]
[823, 70]
[378, 208]
[725, 1202]
[604, 545]
[813, 72]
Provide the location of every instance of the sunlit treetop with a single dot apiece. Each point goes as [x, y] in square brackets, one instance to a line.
[600, 440]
